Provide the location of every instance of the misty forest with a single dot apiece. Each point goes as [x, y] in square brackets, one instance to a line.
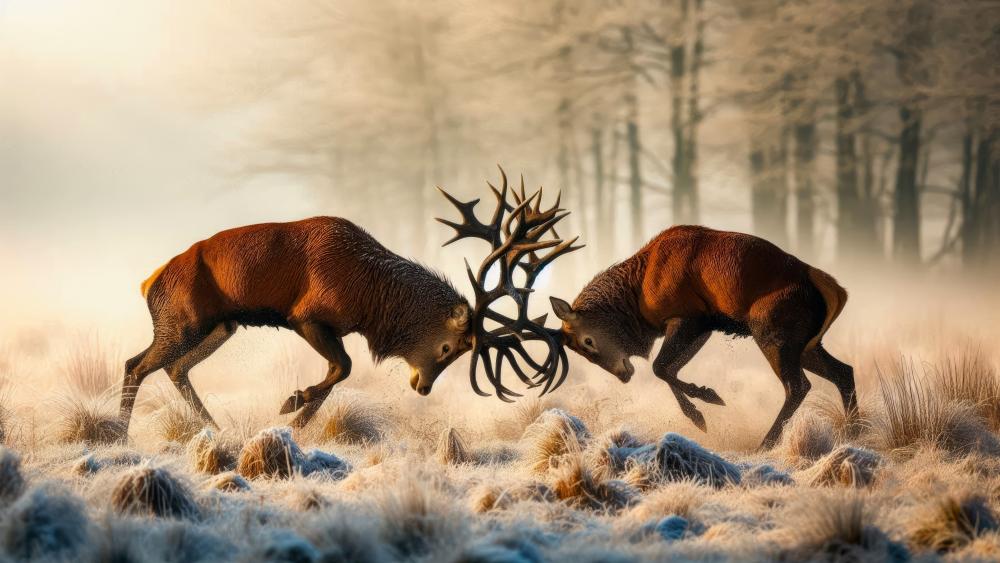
[863, 138]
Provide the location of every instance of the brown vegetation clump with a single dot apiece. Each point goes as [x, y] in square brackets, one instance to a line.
[451, 448]
[352, 421]
[90, 422]
[11, 480]
[576, 485]
[846, 465]
[271, 453]
[153, 491]
[495, 497]
[552, 435]
[208, 454]
[952, 523]
[916, 414]
[230, 483]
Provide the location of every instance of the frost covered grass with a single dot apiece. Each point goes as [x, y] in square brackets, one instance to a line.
[580, 476]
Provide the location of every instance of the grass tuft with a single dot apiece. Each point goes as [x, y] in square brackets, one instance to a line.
[271, 453]
[153, 491]
[917, 414]
[90, 421]
[551, 436]
[575, 484]
[952, 523]
[352, 421]
[209, 454]
[451, 449]
[846, 465]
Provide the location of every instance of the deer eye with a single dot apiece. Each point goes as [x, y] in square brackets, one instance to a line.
[445, 349]
[588, 341]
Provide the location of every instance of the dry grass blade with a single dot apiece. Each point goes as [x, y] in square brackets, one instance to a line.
[415, 518]
[846, 465]
[91, 369]
[971, 379]
[916, 414]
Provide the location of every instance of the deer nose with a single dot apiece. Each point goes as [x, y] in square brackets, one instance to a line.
[424, 390]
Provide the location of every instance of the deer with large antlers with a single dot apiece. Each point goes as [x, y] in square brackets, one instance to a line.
[690, 281]
[325, 278]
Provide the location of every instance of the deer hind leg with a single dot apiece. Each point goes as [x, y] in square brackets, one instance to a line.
[823, 364]
[166, 348]
[329, 345]
[786, 360]
[178, 371]
[684, 338]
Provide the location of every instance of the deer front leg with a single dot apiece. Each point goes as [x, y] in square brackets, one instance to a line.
[325, 341]
[684, 338]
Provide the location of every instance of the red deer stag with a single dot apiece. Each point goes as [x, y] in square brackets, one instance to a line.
[690, 281]
[325, 278]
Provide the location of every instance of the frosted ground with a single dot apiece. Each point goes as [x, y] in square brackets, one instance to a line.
[595, 472]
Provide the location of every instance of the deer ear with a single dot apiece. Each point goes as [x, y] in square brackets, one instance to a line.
[459, 320]
[562, 309]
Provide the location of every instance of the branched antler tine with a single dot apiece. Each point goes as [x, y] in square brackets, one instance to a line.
[539, 230]
[491, 376]
[512, 362]
[564, 369]
[474, 363]
[498, 371]
[519, 348]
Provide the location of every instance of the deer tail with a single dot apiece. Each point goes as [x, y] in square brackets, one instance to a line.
[835, 298]
[144, 287]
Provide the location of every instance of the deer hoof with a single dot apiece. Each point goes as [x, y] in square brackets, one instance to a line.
[293, 403]
[709, 396]
[696, 417]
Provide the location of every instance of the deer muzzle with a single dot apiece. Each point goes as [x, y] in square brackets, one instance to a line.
[419, 386]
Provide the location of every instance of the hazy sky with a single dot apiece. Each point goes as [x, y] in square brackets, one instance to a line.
[108, 163]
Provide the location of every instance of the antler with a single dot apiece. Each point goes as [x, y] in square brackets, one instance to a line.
[516, 233]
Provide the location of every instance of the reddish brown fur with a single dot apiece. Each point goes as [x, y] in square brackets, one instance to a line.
[322, 277]
[689, 281]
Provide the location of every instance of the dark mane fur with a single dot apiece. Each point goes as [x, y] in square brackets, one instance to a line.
[613, 298]
[392, 301]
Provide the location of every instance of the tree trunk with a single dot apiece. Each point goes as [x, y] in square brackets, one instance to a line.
[694, 114]
[682, 187]
[969, 228]
[805, 156]
[906, 230]
[635, 172]
[600, 198]
[847, 172]
[768, 191]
